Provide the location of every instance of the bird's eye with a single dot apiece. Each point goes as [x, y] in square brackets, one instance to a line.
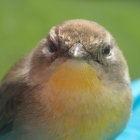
[107, 51]
[52, 47]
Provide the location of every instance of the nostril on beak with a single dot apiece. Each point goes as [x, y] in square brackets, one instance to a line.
[77, 50]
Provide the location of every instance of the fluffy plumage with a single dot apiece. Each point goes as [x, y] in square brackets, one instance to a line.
[73, 86]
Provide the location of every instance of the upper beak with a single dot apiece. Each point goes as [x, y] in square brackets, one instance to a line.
[77, 51]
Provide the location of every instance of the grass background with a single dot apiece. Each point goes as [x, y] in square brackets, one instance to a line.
[24, 22]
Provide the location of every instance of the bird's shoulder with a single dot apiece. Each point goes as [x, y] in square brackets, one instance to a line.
[12, 86]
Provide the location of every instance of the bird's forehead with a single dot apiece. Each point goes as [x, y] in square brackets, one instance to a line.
[79, 31]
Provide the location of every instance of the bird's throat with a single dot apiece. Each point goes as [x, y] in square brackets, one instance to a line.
[74, 76]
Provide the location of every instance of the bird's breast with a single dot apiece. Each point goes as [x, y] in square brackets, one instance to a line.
[80, 106]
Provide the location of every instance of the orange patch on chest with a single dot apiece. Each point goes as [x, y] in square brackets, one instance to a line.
[74, 76]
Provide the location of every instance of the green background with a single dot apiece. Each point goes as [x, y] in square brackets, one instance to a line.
[24, 22]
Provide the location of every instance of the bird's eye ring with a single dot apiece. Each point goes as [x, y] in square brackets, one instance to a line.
[52, 47]
[107, 51]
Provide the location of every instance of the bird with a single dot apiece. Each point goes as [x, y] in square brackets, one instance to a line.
[74, 85]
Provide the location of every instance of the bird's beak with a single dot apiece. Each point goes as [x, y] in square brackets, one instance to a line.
[77, 51]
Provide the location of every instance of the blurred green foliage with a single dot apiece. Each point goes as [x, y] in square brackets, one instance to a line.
[24, 22]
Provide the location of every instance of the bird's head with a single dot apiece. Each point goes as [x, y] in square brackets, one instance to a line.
[81, 44]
